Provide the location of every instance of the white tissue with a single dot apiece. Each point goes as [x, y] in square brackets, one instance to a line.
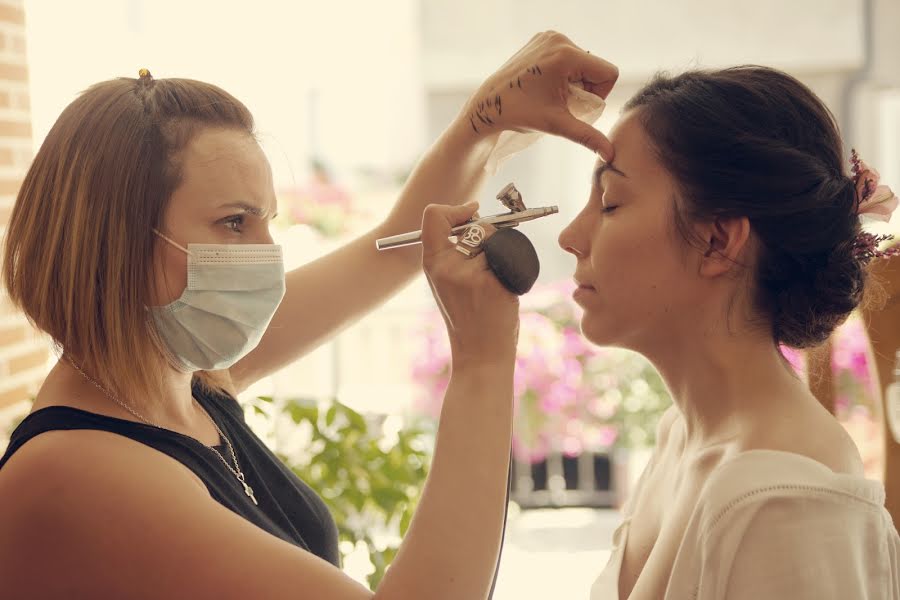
[582, 104]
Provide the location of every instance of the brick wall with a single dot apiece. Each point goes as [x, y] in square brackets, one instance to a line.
[23, 354]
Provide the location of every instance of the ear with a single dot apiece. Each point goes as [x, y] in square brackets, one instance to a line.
[725, 240]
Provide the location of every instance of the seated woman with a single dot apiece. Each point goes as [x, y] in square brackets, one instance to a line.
[727, 224]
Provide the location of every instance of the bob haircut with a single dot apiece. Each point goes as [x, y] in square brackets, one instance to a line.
[79, 253]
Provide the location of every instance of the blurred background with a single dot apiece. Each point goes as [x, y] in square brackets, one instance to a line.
[347, 95]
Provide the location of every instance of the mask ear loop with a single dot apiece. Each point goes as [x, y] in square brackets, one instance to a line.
[154, 334]
[172, 242]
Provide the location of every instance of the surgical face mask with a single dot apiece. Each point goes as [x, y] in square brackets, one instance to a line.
[232, 293]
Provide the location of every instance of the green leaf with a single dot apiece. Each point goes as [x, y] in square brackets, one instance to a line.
[300, 412]
[355, 419]
[331, 415]
[361, 483]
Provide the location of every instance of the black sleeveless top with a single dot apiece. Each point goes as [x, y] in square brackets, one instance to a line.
[288, 508]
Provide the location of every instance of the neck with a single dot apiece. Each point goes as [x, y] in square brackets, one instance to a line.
[724, 381]
[172, 407]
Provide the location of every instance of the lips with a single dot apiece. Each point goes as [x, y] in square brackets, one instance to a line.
[584, 286]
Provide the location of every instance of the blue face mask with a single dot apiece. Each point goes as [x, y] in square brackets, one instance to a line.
[232, 293]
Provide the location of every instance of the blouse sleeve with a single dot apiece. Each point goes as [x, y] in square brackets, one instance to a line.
[809, 546]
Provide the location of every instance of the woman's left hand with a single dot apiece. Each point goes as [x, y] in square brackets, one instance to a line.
[530, 92]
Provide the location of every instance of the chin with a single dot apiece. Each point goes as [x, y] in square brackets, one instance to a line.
[601, 332]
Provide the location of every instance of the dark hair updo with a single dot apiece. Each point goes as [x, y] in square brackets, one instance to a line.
[754, 142]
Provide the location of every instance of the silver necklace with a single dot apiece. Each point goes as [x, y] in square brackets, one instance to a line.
[236, 470]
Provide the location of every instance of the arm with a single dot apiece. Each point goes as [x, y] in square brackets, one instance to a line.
[351, 281]
[528, 93]
[106, 517]
[109, 517]
[452, 545]
[72, 506]
[453, 542]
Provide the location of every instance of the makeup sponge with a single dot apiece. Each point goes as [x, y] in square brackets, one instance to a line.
[512, 258]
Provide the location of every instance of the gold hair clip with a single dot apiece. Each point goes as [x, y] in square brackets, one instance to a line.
[145, 74]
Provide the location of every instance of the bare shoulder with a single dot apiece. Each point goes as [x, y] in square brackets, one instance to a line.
[809, 430]
[837, 451]
[109, 517]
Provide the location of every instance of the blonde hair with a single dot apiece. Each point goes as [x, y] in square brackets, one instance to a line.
[79, 252]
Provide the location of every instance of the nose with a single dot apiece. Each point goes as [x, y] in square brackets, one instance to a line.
[569, 239]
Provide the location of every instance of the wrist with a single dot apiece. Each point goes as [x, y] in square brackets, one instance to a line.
[479, 365]
[461, 134]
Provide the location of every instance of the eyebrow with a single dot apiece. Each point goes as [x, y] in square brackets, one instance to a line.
[603, 169]
[249, 209]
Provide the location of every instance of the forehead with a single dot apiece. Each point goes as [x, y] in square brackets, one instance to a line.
[224, 165]
[635, 155]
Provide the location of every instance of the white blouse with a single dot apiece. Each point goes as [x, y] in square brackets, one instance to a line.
[778, 525]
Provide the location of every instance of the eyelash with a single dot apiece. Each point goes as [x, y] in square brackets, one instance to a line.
[234, 223]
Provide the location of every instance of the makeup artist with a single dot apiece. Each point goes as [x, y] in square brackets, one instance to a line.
[139, 243]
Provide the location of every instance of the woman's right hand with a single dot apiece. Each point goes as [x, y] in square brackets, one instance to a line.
[482, 316]
[530, 93]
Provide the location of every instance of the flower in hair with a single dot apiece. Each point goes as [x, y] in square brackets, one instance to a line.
[875, 201]
[865, 247]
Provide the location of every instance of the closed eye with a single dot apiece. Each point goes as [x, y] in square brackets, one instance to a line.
[606, 205]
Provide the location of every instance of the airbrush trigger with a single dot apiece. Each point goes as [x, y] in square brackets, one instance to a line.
[511, 198]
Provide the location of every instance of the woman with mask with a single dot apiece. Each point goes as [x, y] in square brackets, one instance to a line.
[139, 243]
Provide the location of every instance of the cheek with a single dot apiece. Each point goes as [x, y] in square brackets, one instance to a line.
[638, 274]
[630, 256]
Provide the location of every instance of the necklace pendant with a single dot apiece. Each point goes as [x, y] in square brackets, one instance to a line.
[249, 491]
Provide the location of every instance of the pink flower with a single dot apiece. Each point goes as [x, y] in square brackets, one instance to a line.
[607, 436]
[574, 344]
[851, 351]
[572, 446]
[552, 402]
[875, 201]
[880, 204]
